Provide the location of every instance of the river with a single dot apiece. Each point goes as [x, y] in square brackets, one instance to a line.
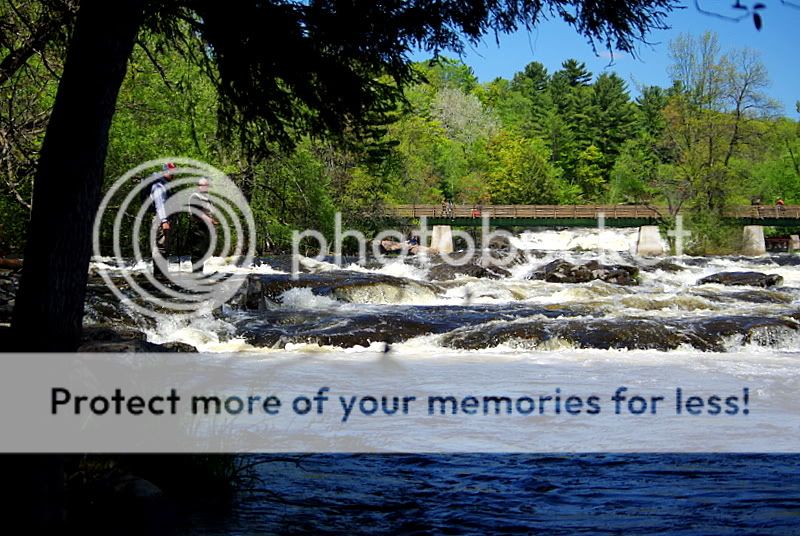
[413, 310]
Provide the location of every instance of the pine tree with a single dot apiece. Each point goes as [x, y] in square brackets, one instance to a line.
[614, 118]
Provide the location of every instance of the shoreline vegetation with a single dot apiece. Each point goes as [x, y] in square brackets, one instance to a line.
[711, 140]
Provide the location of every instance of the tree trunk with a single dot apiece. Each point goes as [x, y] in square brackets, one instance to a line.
[49, 305]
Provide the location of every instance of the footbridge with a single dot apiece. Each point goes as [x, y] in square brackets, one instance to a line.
[753, 218]
[582, 215]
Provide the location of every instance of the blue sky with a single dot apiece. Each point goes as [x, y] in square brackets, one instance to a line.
[553, 41]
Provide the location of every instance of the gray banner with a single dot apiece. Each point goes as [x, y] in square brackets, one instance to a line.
[345, 402]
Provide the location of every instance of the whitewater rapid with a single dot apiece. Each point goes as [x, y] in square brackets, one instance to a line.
[402, 288]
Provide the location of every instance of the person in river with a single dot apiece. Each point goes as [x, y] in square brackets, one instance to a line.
[158, 195]
[203, 221]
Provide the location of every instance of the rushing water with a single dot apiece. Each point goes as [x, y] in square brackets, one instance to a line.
[405, 309]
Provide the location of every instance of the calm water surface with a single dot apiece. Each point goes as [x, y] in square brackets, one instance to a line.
[478, 494]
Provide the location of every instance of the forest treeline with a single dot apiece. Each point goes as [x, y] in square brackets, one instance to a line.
[712, 139]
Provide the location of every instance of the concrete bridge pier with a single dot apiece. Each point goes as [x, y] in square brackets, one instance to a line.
[649, 243]
[442, 238]
[753, 243]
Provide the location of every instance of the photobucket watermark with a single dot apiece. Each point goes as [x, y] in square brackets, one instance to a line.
[493, 248]
[147, 205]
[392, 244]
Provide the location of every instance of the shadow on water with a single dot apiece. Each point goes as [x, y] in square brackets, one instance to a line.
[708, 494]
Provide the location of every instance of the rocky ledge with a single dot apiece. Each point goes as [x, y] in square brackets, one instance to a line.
[707, 334]
[561, 271]
[752, 279]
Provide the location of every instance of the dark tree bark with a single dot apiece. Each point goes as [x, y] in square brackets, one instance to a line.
[49, 305]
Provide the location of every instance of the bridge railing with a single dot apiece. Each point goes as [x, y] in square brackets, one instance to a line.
[754, 212]
[761, 212]
[525, 211]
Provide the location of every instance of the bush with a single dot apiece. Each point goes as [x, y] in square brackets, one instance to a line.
[712, 234]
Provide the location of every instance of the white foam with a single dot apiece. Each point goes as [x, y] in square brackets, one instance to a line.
[622, 239]
[204, 332]
[395, 268]
[304, 298]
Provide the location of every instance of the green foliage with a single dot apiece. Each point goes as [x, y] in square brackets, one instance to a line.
[589, 173]
[13, 222]
[289, 191]
[442, 72]
[32, 41]
[562, 137]
[162, 110]
[633, 174]
[711, 235]
[520, 172]
[614, 118]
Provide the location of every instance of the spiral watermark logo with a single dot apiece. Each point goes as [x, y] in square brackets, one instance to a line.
[174, 206]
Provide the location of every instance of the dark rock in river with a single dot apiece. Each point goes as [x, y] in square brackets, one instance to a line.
[276, 328]
[343, 285]
[447, 272]
[663, 265]
[103, 307]
[115, 340]
[754, 279]
[785, 259]
[492, 263]
[593, 333]
[627, 333]
[764, 331]
[561, 271]
[750, 296]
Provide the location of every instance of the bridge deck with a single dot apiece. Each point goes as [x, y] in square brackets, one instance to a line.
[583, 215]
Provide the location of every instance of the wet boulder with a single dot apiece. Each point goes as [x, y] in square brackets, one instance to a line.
[358, 330]
[389, 247]
[501, 248]
[753, 279]
[664, 266]
[717, 332]
[279, 327]
[381, 290]
[749, 296]
[256, 291]
[496, 333]
[343, 285]
[506, 257]
[117, 340]
[561, 271]
[630, 334]
[448, 272]
[785, 259]
[581, 333]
